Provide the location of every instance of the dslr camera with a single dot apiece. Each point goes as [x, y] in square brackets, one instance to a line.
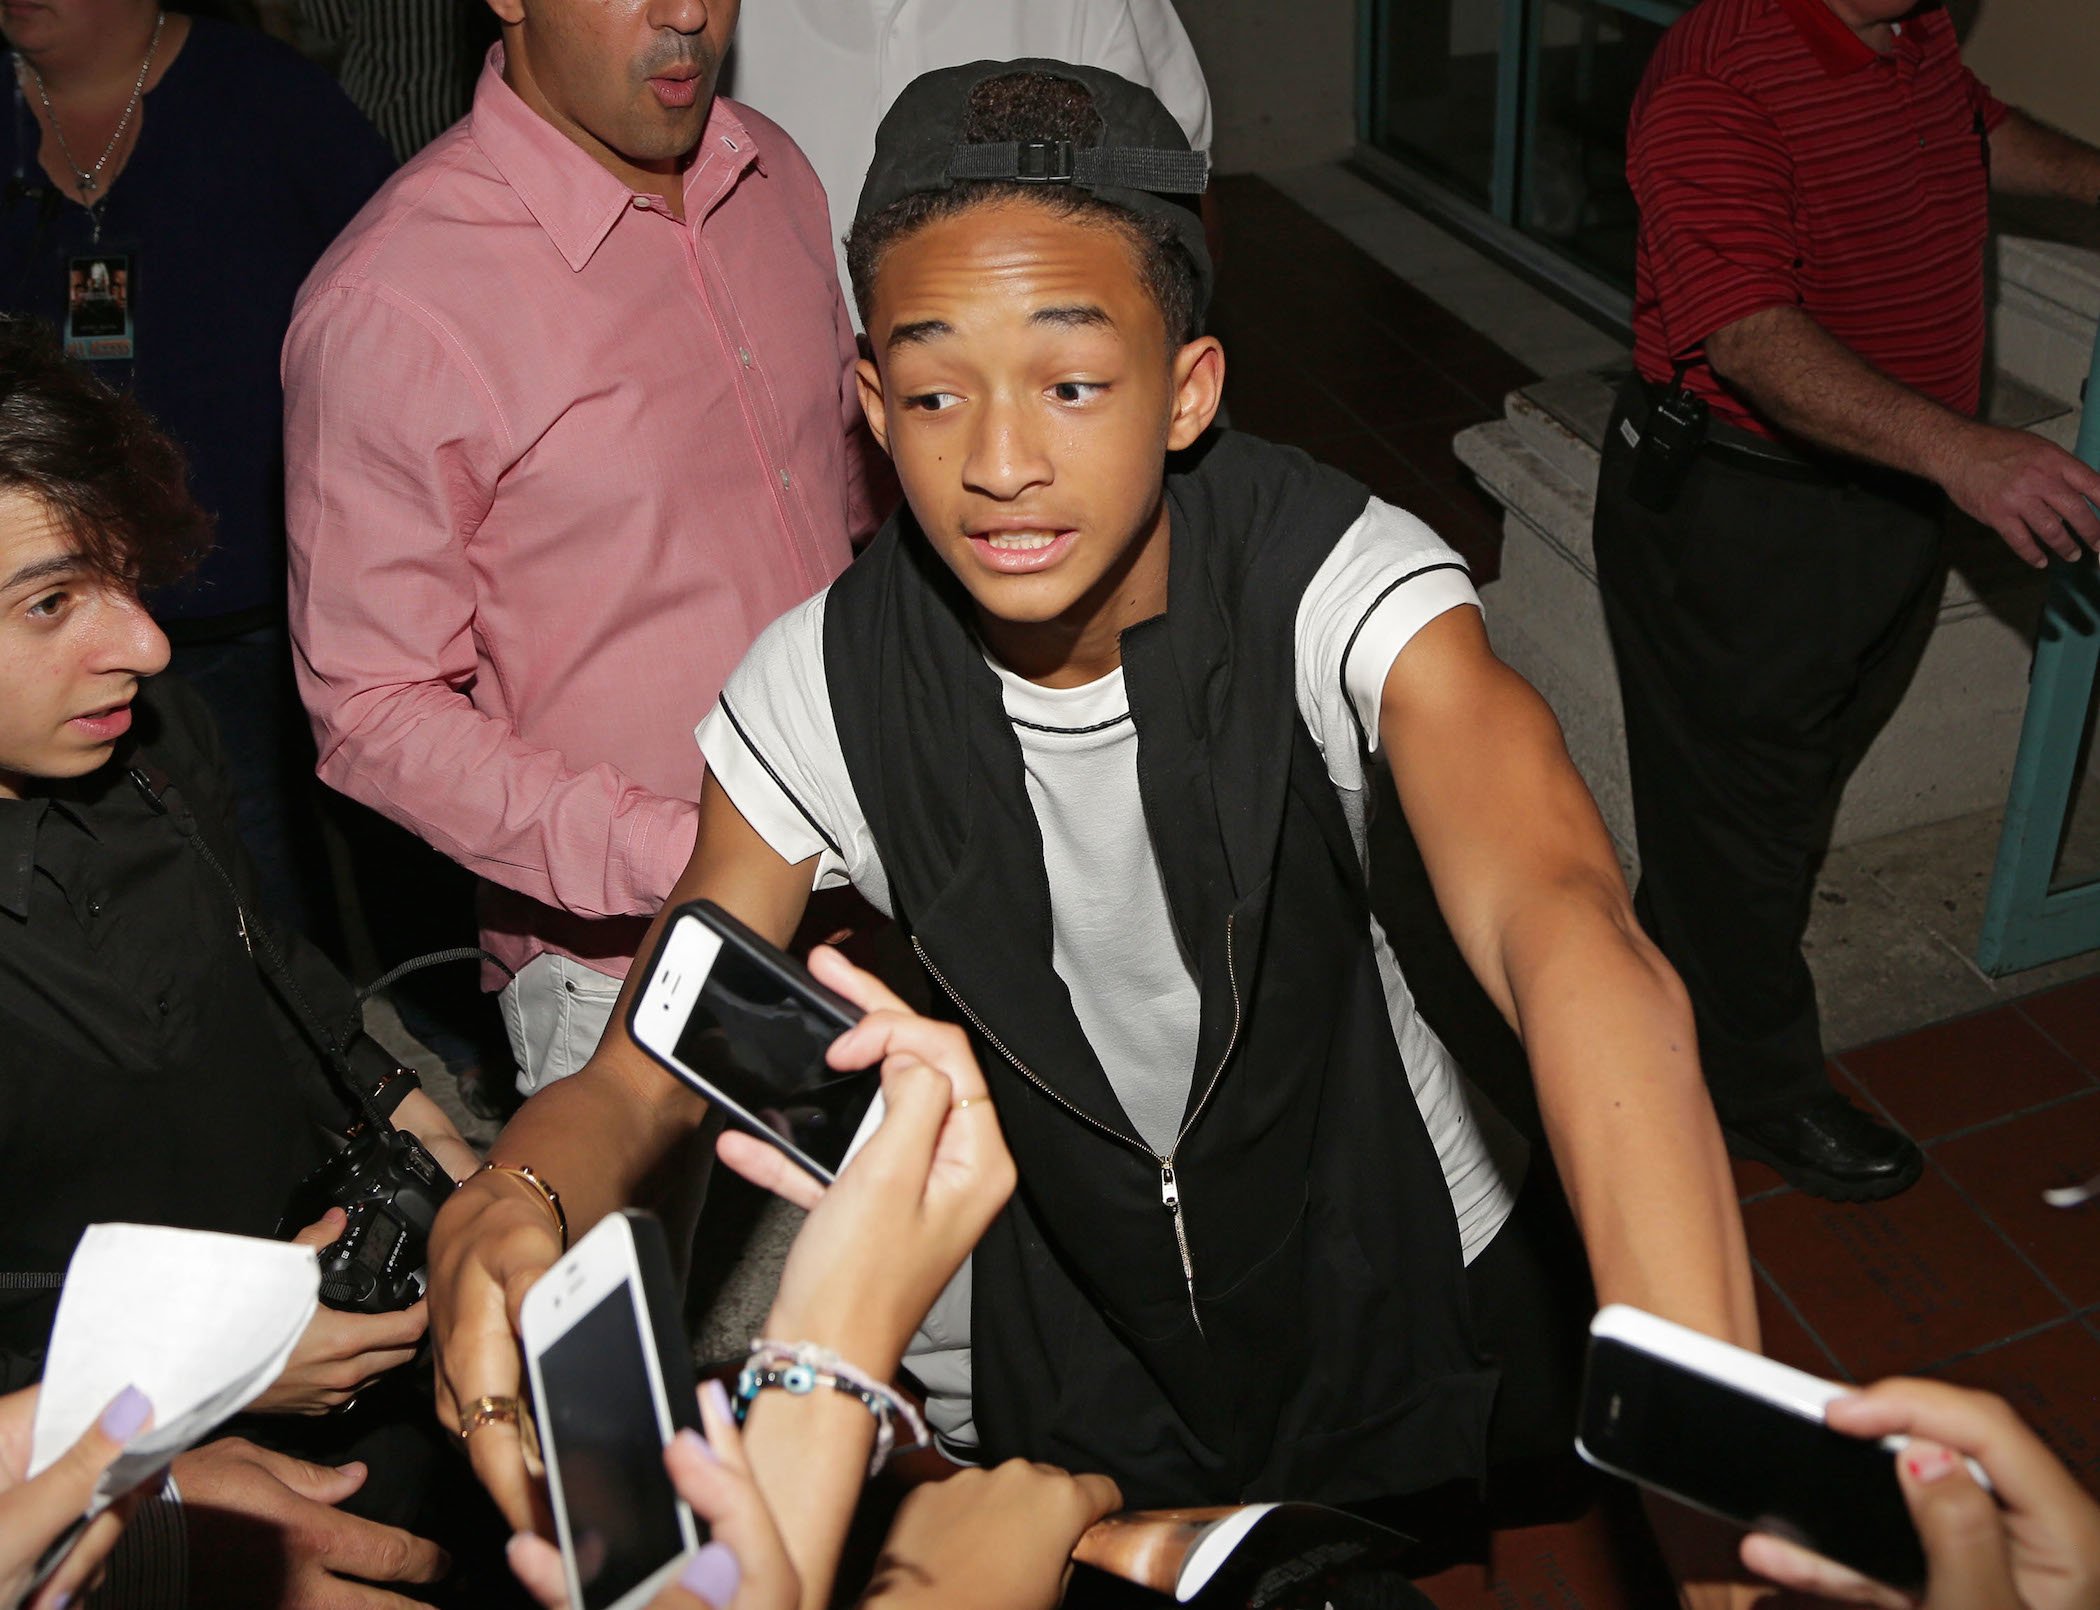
[391, 1188]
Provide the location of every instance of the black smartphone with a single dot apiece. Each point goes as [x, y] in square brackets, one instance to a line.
[612, 1382]
[743, 1023]
[1742, 1436]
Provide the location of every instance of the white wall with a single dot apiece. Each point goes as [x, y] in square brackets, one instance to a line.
[1282, 77]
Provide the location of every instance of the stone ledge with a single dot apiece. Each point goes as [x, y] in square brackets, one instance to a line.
[2051, 271]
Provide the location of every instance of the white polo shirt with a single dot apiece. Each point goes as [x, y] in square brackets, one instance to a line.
[826, 70]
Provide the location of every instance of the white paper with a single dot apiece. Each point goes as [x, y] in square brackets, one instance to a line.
[1214, 1548]
[201, 1323]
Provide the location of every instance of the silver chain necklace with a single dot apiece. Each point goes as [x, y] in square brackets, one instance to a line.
[89, 180]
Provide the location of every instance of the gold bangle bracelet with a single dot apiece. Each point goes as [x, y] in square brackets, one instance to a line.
[547, 1194]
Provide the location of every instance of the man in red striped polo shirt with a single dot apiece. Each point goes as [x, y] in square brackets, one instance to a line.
[1809, 336]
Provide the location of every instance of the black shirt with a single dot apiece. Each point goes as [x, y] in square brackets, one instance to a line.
[147, 1072]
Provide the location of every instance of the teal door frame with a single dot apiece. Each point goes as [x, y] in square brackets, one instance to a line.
[2030, 918]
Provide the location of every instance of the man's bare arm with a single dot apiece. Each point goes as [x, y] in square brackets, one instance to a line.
[618, 1132]
[1527, 880]
[2029, 158]
[1799, 376]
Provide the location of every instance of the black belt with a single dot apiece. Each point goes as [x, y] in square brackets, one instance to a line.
[1761, 455]
[1742, 449]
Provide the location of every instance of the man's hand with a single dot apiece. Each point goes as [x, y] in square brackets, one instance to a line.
[2035, 1547]
[340, 1354]
[2028, 490]
[997, 1539]
[492, 1240]
[34, 1514]
[265, 1535]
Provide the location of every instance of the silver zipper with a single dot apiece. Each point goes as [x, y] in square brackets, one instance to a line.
[1027, 1072]
[1169, 1183]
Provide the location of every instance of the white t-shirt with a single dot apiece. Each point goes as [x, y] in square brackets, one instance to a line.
[826, 70]
[772, 744]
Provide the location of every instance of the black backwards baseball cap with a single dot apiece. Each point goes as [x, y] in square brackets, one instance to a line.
[1140, 159]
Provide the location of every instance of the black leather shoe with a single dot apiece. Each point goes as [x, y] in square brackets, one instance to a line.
[1830, 1149]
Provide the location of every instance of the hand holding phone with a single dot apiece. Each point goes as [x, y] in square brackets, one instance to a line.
[1742, 1437]
[748, 1027]
[613, 1383]
[2031, 1538]
[881, 1242]
[744, 1566]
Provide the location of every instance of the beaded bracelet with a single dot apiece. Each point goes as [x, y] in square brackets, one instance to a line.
[800, 1368]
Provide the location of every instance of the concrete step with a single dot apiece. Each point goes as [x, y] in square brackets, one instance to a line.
[2048, 303]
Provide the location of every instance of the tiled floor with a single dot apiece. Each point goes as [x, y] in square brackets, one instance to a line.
[1968, 1275]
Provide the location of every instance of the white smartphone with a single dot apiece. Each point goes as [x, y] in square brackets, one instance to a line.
[612, 1380]
[1742, 1437]
[743, 1023]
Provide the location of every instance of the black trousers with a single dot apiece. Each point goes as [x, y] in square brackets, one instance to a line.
[1765, 628]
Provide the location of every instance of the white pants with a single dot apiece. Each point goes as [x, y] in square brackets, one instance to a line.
[555, 1011]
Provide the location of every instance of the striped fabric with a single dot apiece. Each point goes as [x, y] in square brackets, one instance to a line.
[150, 1567]
[409, 65]
[1779, 161]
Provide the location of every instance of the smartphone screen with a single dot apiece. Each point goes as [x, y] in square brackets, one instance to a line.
[599, 1414]
[1758, 1464]
[756, 1031]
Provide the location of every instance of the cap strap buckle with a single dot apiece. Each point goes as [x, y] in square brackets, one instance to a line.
[1044, 161]
[1060, 162]
[1028, 161]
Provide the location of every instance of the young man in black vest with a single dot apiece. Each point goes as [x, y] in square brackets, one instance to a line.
[1092, 719]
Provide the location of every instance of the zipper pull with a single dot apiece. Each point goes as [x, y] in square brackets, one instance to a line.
[240, 917]
[1170, 1198]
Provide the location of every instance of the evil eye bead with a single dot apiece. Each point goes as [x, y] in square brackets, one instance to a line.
[747, 1383]
[799, 1379]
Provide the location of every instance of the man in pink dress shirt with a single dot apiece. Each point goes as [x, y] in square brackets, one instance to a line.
[569, 418]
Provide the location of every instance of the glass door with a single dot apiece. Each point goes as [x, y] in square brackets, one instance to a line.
[1513, 112]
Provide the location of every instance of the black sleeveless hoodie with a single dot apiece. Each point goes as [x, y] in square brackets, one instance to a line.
[1276, 1308]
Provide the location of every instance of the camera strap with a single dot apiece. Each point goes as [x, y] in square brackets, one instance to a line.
[159, 790]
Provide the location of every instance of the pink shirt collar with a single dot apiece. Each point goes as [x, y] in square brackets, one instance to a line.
[569, 195]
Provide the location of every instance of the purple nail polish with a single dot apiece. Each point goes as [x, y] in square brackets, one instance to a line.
[127, 1411]
[61, 1599]
[695, 1444]
[713, 1574]
[717, 1396]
